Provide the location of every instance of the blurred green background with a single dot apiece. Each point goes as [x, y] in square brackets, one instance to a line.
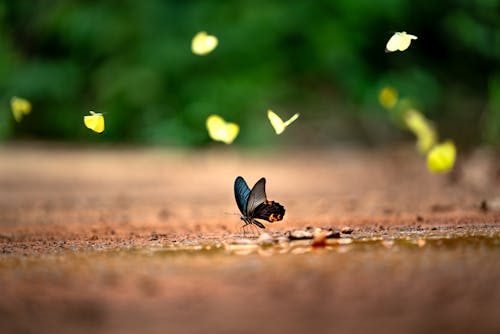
[325, 59]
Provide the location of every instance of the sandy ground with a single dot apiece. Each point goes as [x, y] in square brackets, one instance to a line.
[148, 240]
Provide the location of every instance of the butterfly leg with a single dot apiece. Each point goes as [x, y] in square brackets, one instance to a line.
[243, 228]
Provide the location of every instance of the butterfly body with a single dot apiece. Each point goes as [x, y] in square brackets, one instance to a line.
[253, 204]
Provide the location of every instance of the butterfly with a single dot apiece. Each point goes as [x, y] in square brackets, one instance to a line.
[277, 123]
[253, 204]
[441, 157]
[220, 130]
[388, 97]
[94, 122]
[20, 107]
[399, 41]
[423, 129]
[203, 44]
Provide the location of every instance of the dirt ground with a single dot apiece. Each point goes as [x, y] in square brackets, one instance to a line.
[149, 240]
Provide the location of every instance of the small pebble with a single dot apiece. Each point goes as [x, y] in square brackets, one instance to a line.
[265, 239]
[388, 243]
[347, 230]
[491, 205]
[319, 239]
[421, 242]
[299, 235]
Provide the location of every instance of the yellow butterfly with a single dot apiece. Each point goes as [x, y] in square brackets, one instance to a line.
[441, 157]
[203, 44]
[94, 122]
[388, 97]
[277, 123]
[422, 128]
[399, 41]
[19, 107]
[220, 130]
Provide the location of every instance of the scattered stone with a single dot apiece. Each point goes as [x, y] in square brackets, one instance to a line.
[311, 232]
[5, 237]
[332, 234]
[265, 239]
[242, 249]
[387, 211]
[299, 235]
[490, 205]
[345, 241]
[154, 236]
[300, 250]
[442, 207]
[163, 215]
[319, 239]
[347, 230]
[421, 242]
[387, 243]
[282, 240]
[242, 241]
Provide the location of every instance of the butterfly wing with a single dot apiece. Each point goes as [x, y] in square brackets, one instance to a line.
[220, 130]
[241, 194]
[95, 122]
[203, 44]
[258, 207]
[276, 122]
[230, 132]
[270, 211]
[256, 197]
[394, 42]
[292, 119]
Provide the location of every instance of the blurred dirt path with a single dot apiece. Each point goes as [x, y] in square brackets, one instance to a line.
[84, 233]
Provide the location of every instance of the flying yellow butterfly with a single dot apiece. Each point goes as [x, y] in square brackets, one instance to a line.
[220, 130]
[441, 157]
[422, 128]
[388, 97]
[399, 41]
[94, 122]
[19, 107]
[203, 44]
[277, 123]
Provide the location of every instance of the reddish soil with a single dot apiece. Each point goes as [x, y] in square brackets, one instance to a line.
[143, 240]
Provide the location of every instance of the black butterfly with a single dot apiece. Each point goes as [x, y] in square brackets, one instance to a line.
[253, 204]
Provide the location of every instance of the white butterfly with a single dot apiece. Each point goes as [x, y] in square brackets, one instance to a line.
[399, 41]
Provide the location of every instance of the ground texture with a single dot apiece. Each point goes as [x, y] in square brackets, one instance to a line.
[141, 240]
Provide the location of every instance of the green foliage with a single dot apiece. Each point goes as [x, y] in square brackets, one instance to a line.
[131, 60]
[492, 119]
